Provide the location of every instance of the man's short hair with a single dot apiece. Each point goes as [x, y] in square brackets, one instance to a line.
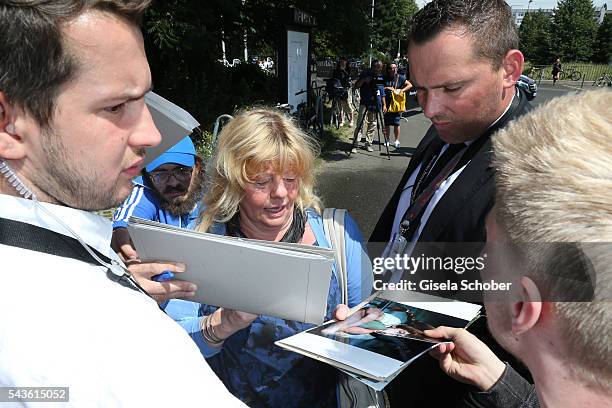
[35, 61]
[489, 22]
[553, 202]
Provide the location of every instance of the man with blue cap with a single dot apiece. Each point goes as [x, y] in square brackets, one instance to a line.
[168, 192]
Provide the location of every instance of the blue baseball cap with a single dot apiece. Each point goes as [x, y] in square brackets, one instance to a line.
[182, 153]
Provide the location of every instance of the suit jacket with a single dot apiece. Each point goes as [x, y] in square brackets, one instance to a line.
[458, 217]
[460, 214]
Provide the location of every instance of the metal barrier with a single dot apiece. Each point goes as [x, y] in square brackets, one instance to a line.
[575, 74]
[325, 69]
[219, 123]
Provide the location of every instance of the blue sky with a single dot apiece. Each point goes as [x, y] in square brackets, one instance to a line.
[537, 4]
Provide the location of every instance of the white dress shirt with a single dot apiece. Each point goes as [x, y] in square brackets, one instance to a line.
[404, 202]
[64, 323]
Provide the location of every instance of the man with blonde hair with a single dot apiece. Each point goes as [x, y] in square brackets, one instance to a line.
[548, 234]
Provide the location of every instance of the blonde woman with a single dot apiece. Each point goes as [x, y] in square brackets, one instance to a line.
[260, 185]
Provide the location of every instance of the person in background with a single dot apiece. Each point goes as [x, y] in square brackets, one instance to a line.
[261, 186]
[395, 83]
[370, 84]
[168, 192]
[556, 70]
[342, 74]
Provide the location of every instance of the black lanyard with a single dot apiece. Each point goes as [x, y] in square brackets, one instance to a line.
[418, 202]
[421, 177]
[408, 224]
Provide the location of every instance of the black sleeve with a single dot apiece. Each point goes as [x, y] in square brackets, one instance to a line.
[510, 391]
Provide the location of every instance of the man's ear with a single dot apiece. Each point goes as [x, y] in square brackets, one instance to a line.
[512, 66]
[11, 144]
[527, 309]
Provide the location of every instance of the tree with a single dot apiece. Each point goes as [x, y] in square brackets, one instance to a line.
[183, 43]
[343, 29]
[534, 37]
[602, 49]
[574, 30]
[392, 21]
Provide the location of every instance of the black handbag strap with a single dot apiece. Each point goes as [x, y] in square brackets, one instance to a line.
[34, 238]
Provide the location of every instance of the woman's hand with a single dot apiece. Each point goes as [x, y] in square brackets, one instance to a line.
[226, 322]
[466, 359]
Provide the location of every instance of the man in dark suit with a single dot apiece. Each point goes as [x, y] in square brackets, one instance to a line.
[464, 63]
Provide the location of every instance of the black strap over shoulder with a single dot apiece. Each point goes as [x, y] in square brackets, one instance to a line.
[34, 238]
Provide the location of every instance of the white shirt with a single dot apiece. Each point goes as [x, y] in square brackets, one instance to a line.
[404, 201]
[64, 323]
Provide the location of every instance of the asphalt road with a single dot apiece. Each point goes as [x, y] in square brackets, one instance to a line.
[364, 182]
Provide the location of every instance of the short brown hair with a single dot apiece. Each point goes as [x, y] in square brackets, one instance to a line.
[488, 21]
[35, 61]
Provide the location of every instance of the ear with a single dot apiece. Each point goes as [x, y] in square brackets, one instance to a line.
[11, 144]
[512, 67]
[526, 311]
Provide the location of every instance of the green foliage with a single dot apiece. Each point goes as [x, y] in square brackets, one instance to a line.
[392, 23]
[183, 40]
[534, 37]
[574, 30]
[345, 26]
[343, 29]
[204, 144]
[602, 49]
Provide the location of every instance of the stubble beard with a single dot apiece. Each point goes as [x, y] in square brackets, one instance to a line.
[69, 182]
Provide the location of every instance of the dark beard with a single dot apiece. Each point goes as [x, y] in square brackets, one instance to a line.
[186, 203]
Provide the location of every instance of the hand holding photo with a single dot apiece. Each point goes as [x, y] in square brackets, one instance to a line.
[379, 338]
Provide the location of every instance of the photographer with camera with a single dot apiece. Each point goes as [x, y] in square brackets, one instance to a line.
[371, 87]
[342, 77]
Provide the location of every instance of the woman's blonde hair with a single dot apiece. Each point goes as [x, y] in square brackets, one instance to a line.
[249, 143]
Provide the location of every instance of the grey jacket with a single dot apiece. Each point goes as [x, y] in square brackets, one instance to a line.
[510, 391]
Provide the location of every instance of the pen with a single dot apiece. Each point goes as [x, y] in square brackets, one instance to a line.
[164, 276]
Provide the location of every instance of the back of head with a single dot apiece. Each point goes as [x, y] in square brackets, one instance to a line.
[35, 61]
[554, 185]
[251, 141]
[489, 22]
